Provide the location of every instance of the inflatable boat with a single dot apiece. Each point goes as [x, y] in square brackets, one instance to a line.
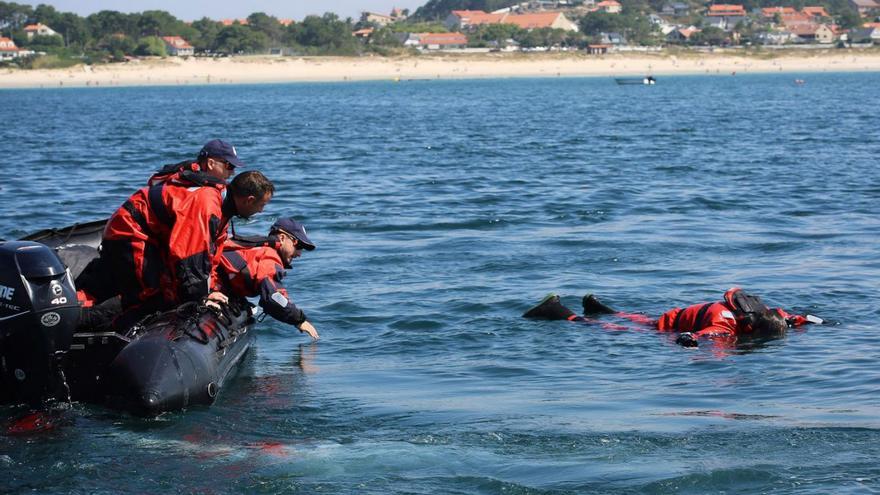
[166, 362]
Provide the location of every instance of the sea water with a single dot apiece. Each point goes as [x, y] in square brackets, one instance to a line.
[443, 210]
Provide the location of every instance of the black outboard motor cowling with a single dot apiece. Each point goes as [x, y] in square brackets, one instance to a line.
[38, 315]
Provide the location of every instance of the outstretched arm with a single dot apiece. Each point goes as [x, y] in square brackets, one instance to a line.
[275, 301]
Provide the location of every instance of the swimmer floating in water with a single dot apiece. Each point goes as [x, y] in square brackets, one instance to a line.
[739, 315]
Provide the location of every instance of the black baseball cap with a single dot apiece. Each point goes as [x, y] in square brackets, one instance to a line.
[295, 229]
[221, 150]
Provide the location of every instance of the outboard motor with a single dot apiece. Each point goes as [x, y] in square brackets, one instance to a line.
[38, 315]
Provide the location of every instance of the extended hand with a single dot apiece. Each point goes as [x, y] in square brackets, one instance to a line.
[686, 339]
[306, 327]
[214, 300]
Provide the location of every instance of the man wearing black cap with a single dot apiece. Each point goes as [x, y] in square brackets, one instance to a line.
[255, 267]
[162, 246]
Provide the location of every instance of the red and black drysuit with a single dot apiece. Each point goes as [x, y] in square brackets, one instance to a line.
[249, 271]
[723, 319]
[164, 243]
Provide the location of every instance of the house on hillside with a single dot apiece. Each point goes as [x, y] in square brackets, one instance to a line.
[865, 7]
[440, 41]
[538, 20]
[870, 34]
[812, 33]
[364, 33]
[612, 39]
[377, 19]
[661, 24]
[398, 14]
[725, 16]
[681, 35]
[469, 19]
[676, 9]
[177, 46]
[39, 30]
[8, 50]
[460, 20]
[609, 6]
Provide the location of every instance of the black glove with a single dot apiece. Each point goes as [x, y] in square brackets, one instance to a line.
[686, 339]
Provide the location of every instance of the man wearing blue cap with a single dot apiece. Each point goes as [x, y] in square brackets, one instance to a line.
[255, 267]
[164, 243]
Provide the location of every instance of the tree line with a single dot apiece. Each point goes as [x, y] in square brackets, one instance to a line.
[115, 34]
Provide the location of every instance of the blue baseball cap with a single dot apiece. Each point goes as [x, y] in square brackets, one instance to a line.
[221, 150]
[295, 229]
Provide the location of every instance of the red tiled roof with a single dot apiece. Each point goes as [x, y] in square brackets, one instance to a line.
[608, 3]
[442, 39]
[808, 29]
[726, 10]
[176, 42]
[33, 27]
[797, 18]
[477, 17]
[285, 22]
[532, 21]
[817, 11]
[363, 32]
[7, 45]
[229, 22]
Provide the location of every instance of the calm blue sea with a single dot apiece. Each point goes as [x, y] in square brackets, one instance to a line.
[442, 211]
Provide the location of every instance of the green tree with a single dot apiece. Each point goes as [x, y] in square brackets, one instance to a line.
[46, 14]
[385, 37]
[151, 46]
[267, 25]
[711, 35]
[418, 27]
[327, 33]
[494, 34]
[156, 23]
[108, 22]
[41, 43]
[207, 34]
[600, 22]
[240, 39]
[14, 16]
[118, 45]
[849, 18]
[73, 29]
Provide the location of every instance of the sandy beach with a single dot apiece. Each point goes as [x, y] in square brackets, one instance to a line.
[266, 69]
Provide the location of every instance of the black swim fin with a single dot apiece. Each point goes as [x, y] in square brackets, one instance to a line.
[593, 306]
[550, 308]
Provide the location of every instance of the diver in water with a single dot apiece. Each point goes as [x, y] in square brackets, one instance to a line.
[253, 267]
[739, 315]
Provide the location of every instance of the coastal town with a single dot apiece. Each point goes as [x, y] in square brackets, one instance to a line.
[29, 34]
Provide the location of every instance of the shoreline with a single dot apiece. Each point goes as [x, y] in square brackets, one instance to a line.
[268, 69]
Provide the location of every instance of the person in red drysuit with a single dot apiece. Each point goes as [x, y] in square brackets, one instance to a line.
[162, 246]
[738, 315]
[251, 268]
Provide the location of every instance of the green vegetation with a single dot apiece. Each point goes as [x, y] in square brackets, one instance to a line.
[111, 36]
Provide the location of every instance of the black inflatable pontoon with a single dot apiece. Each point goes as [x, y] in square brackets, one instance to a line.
[166, 362]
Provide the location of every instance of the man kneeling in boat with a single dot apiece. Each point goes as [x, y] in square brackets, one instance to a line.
[253, 267]
[739, 315]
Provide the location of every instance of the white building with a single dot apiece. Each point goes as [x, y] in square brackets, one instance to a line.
[39, 30]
